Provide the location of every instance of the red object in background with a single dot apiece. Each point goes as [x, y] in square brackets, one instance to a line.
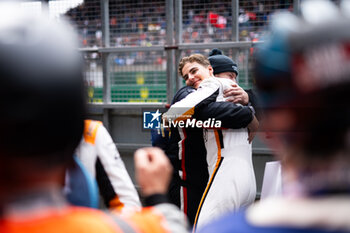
[252, 49]
[113, 21]
[200, 18]
[213, 18]
[217, 21]
[252, 15]
[159, 61]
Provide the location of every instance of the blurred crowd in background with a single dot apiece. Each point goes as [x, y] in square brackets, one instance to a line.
[143, 23]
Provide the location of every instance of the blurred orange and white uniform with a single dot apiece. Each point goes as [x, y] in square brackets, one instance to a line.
[100, 156]
[46, 210]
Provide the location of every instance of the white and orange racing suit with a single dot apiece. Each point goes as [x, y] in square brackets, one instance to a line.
[231, 182]
[100, 156]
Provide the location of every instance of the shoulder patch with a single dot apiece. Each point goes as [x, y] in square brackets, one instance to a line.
[90, 130]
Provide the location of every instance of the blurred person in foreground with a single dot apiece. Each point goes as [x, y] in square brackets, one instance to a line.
[42, 113]
[303, 74]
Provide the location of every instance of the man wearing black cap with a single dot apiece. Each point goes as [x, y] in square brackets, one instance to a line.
[225, 67]
[192, 161]
[222, 63]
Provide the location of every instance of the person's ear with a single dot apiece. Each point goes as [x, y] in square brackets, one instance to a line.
[234, 77]
[211, 70]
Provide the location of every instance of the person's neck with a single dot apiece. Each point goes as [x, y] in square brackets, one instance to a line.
[33, 200]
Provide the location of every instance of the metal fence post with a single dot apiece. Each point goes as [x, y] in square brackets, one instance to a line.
[235, 24]
[105, 62]
[235, 29]
[296, 7]
[105, 21]
[178, 40]
[246, 67]
[169, 50]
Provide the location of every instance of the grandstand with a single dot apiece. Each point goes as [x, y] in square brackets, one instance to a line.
[144, 24]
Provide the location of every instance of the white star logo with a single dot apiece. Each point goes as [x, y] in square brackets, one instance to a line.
[155, 115]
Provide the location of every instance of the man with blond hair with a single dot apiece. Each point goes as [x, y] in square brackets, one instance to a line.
[228, 151]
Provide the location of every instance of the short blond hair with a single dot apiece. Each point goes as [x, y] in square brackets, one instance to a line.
[199, 58]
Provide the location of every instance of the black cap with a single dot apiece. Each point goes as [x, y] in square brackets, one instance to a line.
[221, 63]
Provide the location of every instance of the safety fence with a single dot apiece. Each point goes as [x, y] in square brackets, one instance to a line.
[146, 82]
[147, 38]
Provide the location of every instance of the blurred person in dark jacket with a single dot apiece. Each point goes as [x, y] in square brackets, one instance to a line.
[42, 113]
[303, 75]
